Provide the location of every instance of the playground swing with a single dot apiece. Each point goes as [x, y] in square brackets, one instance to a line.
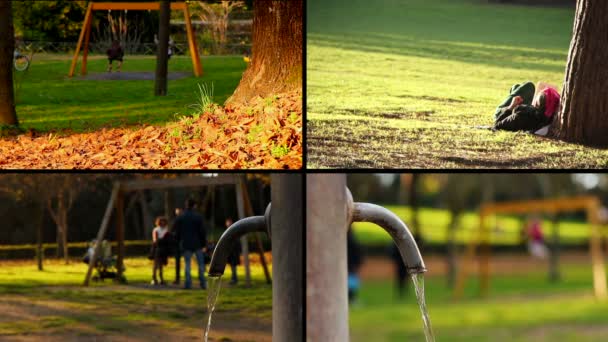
[85, 33]
[116, 203]
[590, 204]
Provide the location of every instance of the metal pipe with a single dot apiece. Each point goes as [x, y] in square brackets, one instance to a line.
[326, 266]
[229, 238]
[286, 221]
[367, 212]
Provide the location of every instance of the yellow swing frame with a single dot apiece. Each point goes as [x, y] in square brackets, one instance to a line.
[590, 204]
[85, 33]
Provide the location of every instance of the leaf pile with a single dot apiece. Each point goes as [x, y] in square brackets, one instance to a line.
[264, 134]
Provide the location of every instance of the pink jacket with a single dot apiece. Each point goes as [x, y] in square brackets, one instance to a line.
[551, 101]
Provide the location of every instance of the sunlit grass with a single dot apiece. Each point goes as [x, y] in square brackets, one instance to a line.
[519, 308]
[405, 83]
[434, 224]
[110, 307]
[48, 100]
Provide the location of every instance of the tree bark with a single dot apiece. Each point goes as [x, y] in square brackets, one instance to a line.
[451, 254]
[276, 64]
[39, 238]
[160, 85]
[413, 201]
[584, 111]
[8, 116]
[554, 251]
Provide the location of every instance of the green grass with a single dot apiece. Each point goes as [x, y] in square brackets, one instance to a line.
[519, 308]
[62, 305]
[49, 100]
[505, 230]
[404, 83]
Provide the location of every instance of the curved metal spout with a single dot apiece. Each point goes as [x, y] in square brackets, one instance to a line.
[230, 237]
[367, 212]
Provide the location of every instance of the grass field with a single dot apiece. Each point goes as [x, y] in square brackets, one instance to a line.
[434, 222]
[519, 308]
[52, 305]
[393, 84]
[48, 100]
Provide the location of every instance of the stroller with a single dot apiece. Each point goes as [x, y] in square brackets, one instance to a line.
[105, 263]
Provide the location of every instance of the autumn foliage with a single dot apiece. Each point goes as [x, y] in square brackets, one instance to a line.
[264, 134]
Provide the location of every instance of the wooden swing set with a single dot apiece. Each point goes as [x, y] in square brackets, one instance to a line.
[85, 33]
[116, 202]
[590, 204]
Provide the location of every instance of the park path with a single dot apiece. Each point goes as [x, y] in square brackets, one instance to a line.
[382, 268]
[25, 319]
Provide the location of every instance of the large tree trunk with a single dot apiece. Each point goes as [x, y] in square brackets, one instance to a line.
[7, 46]
[160, 85]
[584, 113]
[276, 64]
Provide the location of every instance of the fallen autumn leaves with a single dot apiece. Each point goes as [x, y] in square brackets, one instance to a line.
[265, 134]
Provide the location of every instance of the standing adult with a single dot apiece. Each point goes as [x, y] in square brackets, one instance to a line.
[401, 280]
[354, 261]
[234, 257]
[192, 238]
[178, 248]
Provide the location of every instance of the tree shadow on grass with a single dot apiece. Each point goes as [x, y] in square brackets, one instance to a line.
[477, 54]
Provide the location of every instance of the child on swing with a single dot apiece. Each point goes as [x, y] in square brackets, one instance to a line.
[115, 53]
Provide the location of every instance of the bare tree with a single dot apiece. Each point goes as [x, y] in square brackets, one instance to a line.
[218, 16]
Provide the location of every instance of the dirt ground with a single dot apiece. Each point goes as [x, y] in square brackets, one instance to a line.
[381, 268]
[87, 324]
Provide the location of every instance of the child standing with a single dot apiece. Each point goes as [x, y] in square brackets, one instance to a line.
[160, 247]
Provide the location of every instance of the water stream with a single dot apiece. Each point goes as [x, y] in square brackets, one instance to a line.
[213, 292]
[418, 279]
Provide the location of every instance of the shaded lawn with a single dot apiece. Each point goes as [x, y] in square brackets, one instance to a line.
[403, 84]
[519, 308]
[58, 306]
[434, 224]
[49, 100]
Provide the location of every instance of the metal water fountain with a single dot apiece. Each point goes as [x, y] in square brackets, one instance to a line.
[330, 211]
[282, 221]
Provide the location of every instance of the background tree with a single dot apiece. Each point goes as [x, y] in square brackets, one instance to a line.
[8, 116]
[51, 20]
[217, 16]
[276, 64]
[162, 59]
[584, 112]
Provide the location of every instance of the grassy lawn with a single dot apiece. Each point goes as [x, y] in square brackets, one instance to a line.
[520, 308]
[53, 304]
[49, 100]
[434, 223]
[404, 83]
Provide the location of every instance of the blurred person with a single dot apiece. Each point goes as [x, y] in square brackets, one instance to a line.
[115, 53]
[401, 274]
[178, 249]
[192, 237]
[354, 261]
[170, 48]
[234, 258]
[535, 238]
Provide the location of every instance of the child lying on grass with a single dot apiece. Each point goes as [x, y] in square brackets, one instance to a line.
[527, 108]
